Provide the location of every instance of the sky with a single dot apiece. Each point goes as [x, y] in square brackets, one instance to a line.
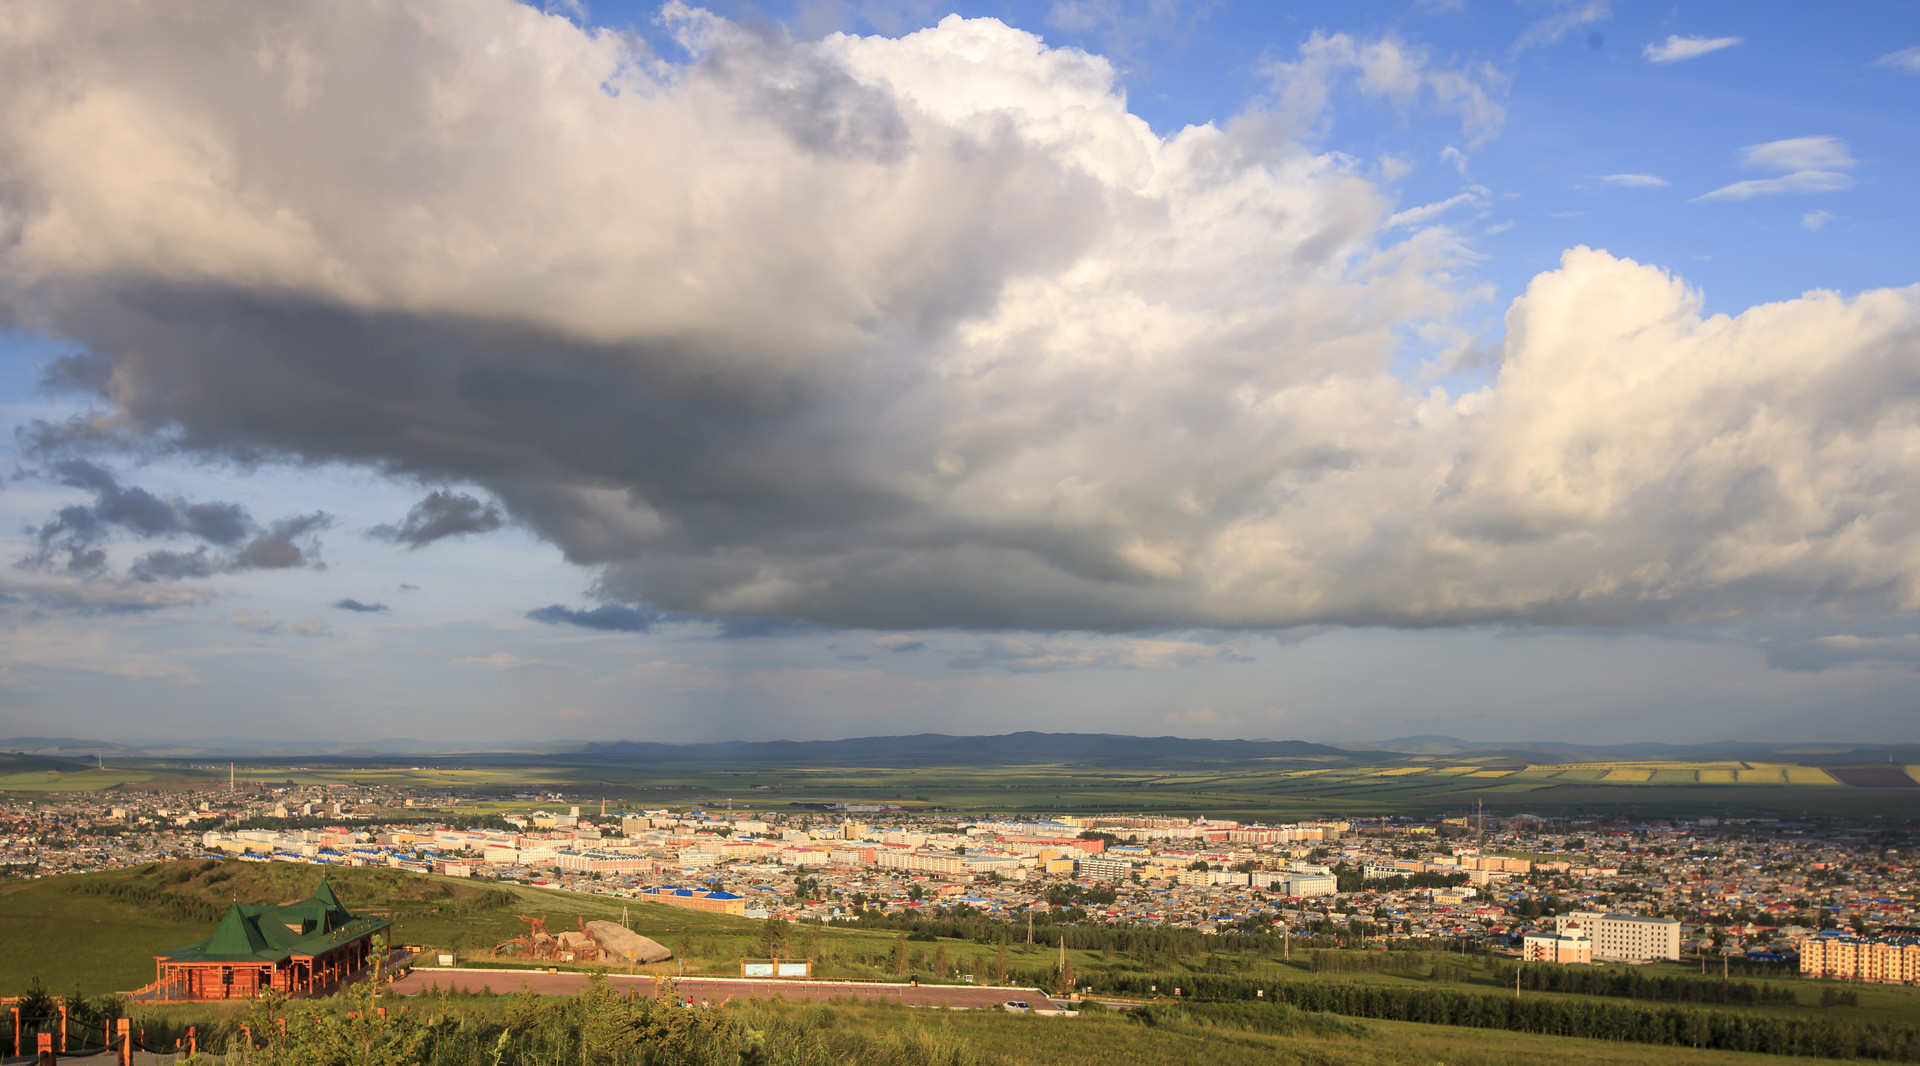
[483, 372]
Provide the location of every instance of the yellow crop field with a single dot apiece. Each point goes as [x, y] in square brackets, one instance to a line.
[1809, 775]
[1456, 770]
[1401, 771]
[1630, 774]
[1491, 773]
[1718, 777]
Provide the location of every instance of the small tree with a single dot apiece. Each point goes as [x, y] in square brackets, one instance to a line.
[38, 1011]
[774, 936]
[900, 954]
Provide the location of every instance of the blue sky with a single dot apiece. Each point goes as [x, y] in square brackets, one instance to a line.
[685, 374]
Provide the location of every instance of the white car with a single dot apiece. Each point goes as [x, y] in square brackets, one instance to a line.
[1016, 1006]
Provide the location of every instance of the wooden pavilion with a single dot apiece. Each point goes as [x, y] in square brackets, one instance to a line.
[296, 948]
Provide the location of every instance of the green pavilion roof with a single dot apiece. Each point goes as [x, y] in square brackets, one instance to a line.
[313, 926]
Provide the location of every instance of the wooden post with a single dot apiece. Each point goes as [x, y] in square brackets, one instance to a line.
[193, 1040]
[125, 1030]
[45, 1050]
[63, 1027]
[17, 1049]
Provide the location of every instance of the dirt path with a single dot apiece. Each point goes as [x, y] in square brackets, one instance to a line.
[717, 989]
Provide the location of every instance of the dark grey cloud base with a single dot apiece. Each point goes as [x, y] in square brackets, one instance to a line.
[906, 334]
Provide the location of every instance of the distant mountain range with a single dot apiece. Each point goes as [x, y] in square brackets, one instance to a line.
[940, 749]
[924, 749]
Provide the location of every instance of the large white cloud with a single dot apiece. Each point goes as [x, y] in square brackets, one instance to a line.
[904, 333]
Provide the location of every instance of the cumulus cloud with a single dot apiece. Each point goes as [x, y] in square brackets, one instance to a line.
[1815, 221]
[610, 617]
[288, 543]
[1677, 48]
[1633, 181]
[1813, 164]
[917, 333]
[73, 540]
[76, 532]
[1392, 70]
[441, 515]
[360, 608]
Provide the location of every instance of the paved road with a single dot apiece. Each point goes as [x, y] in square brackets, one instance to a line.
[717, 989]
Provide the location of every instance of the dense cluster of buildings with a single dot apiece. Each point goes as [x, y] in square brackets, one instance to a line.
[1556, 891]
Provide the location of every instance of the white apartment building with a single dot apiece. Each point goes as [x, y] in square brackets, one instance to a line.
[1105, 869]
[1625, 937]
[941, 863]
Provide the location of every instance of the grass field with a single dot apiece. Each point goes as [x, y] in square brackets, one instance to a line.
[100, 931]
[854, 1033]
[1265, 789]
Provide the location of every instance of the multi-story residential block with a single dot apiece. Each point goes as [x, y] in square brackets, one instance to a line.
[1893, 960]
[1625, 937]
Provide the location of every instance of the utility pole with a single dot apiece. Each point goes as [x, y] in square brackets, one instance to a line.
[229, 777]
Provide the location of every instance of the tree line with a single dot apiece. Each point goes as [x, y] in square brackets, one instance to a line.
[1596, 1019]
[1635, 984]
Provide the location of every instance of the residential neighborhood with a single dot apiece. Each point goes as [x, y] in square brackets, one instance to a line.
[1751, 889]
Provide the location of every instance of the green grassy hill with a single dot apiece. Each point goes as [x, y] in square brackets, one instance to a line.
[100, 931]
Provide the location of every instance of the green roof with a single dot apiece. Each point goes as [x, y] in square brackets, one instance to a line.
[248, 933]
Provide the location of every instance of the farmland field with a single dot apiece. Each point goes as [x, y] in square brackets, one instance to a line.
[1361, 785]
